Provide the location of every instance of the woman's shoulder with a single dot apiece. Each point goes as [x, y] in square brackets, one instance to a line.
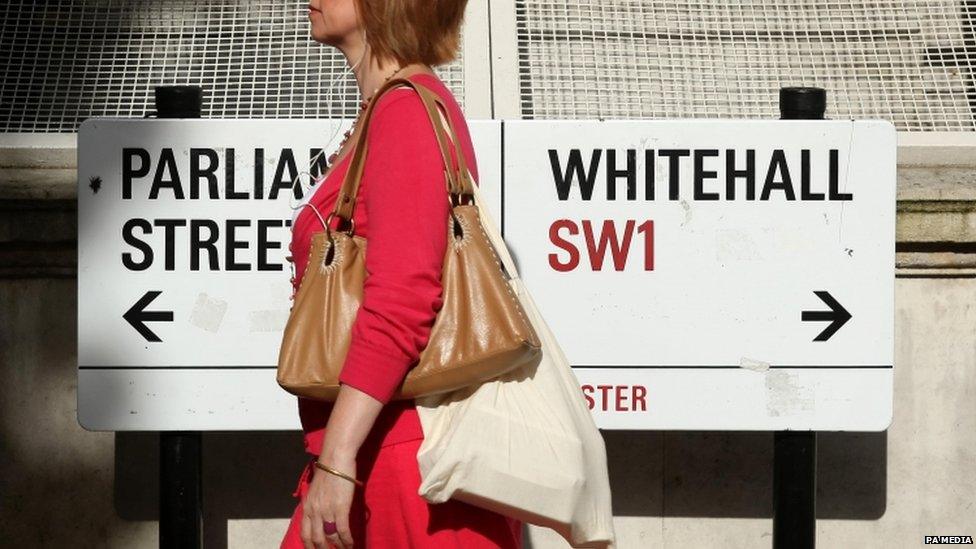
[403, 100]
[398, 112]
[397, 107]
[401, 112]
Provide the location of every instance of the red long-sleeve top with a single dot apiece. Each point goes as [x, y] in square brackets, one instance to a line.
[402, 211]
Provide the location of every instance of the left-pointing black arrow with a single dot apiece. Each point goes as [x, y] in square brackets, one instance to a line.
[137, 315]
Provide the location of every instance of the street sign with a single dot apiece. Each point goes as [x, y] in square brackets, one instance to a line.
[706, 274]
[183, 286]
[682, 300]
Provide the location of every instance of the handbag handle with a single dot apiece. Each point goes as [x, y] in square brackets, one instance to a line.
[457, 184]
[488, 224]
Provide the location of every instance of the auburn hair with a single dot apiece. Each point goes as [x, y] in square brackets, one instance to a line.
[413, 31]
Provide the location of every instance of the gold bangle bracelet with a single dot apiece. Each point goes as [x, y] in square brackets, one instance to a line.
[328, 469]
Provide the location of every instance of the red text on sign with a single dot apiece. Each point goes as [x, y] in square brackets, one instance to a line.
[617, 398]
[609, 240]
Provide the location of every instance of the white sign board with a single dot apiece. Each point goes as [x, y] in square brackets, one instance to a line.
[713, 274]
[183, 286]
[704, 313]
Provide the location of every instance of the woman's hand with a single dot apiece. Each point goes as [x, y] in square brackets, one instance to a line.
[329, 498]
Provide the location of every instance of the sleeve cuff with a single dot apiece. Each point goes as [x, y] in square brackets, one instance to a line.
[373, 371]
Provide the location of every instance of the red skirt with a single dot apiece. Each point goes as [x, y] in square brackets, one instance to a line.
[387, 512]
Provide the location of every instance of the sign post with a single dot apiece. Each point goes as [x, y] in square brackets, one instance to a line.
[795, 452]
[180, 452]
[718, 275]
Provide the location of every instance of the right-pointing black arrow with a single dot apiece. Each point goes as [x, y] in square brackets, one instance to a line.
[137, 315]
[837, 314]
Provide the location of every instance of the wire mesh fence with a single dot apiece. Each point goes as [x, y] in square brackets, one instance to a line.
[63, 62]
[910, 62]
[907, 61]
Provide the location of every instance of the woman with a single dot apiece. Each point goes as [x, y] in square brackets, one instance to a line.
[402, 211]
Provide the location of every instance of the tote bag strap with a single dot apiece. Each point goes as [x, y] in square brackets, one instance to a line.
[491, 229]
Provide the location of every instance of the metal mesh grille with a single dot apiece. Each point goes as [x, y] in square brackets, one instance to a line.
[62, 62]
[910, 62]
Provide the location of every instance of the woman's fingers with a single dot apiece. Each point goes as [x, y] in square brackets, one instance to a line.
[342, 525]
[329, 499]
[307, 531]
[319, 540]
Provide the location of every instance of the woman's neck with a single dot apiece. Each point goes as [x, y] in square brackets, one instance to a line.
[371, 73]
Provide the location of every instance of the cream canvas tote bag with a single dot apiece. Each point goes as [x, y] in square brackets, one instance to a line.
[524, 444]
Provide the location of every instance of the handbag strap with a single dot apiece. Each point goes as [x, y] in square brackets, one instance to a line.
[488, 222]
[457, 183]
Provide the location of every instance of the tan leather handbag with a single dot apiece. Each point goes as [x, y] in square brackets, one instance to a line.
[481, 331]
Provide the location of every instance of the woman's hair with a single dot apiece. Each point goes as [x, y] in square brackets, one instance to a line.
[413, 31]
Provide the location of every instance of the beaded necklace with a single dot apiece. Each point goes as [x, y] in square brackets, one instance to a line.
[362, 107]
[331, 160]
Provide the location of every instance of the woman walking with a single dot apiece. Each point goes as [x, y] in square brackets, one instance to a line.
[360, 486]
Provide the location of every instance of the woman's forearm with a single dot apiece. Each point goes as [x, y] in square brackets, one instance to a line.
[402, 292]
[351, 419]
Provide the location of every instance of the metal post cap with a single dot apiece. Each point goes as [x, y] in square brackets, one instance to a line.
[802, 103]
[179, 101]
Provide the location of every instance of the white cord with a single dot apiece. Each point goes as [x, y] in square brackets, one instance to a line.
[308, 189]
